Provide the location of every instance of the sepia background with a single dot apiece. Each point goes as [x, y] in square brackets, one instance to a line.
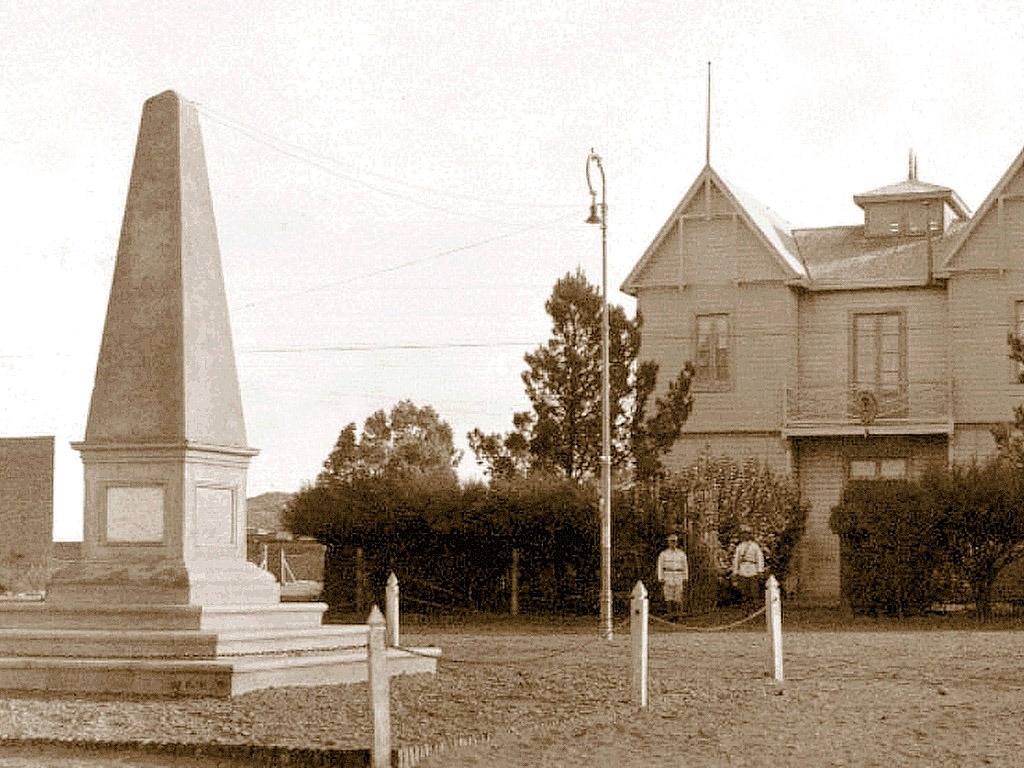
[399, 185]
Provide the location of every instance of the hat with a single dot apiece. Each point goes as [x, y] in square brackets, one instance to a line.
[672, 536]
[746, 529]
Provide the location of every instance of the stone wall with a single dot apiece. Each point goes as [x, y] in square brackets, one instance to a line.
[26, 512]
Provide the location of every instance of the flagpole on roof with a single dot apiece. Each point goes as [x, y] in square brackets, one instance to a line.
[707, 137]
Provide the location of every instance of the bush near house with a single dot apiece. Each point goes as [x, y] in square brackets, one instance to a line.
[981, 510]
[891, 547]
[451, 546]
[713, 498]
[907, 544]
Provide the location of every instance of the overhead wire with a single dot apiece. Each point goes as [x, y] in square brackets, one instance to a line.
[389, 347]
[405, 264]
[331, 166]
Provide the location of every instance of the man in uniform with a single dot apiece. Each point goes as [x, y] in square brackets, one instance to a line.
[748, 567]
[673, 574]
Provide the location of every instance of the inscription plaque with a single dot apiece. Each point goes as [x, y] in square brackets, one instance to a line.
[135, 514]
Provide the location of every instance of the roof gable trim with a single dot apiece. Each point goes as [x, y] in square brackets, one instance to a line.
[765, 227]
[989, 203]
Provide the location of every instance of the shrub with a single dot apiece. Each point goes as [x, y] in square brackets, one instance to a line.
[981, 508]
[891, 541]
[451, 546]
[714, 498]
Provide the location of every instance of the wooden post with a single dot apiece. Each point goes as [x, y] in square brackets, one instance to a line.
[391, 609]
[638, 618]
[380, 691]
[773, 618]
[513, 601]
[360, 577]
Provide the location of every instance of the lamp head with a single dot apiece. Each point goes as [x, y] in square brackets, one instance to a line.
[594, 217]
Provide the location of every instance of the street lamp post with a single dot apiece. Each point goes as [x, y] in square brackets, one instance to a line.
[599, 215]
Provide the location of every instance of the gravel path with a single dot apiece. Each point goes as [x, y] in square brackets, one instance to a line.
[521, 697]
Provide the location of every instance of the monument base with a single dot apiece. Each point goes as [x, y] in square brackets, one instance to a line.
[184, 650]
[162, 582]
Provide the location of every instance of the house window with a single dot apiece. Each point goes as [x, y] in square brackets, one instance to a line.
[879, 362]
[878, 469]
[1019, 331]
[714, 359]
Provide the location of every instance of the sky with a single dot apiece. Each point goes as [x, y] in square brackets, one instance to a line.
[399, 185]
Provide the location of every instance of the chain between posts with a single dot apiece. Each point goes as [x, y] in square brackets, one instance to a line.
[720, 628]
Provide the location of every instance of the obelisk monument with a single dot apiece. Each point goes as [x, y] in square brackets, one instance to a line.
[165, 449]
[162, 600]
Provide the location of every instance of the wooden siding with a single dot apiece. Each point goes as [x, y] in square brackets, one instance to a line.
[668, 264]
[981, 314]
[710, 255]
[709, 243]
[753, 263]
[769, 448]
[912, 217]
[762, 319]
[981, 249]
[971, 443]
[824, 367]
[821, 473]
[822, 465]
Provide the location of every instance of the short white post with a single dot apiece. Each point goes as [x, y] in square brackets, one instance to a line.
[380, 689]
[391, 609]
[638, 619]
[773, 618]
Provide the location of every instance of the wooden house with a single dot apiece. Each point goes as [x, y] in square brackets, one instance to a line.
[841, 352]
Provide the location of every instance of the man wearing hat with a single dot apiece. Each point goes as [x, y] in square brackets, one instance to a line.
[747, 567]
[673, 574]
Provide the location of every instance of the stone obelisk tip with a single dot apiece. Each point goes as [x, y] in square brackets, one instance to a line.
[170, 93]
[166, 371]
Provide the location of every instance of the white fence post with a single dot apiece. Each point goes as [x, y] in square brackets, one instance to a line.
[380, 689]
[391, 609]
[773, 618]
[638, 618]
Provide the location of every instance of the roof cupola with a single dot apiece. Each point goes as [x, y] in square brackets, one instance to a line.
[910, 208]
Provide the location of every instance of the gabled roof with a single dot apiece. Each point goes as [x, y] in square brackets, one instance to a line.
[772, 230]
[986, 206]
[842, 258]
[912, 189]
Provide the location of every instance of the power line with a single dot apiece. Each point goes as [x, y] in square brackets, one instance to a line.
[406, 264]
[330, 166]
[389, 347]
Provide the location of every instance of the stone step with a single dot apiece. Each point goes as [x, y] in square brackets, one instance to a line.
[192, 644]
[320, 639]
[259, 617]
[222, 618]
[186, 677]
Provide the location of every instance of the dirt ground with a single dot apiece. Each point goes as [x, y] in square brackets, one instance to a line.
[853, 698]
[554, 694]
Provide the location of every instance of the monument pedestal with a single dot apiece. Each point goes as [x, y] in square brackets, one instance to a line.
[182, 650]
[162, 600]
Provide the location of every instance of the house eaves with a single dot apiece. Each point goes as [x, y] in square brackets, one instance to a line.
[774, 233]
[944, 269]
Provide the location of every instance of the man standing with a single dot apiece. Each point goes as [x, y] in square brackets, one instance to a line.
[747, 567]
[673, 574]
